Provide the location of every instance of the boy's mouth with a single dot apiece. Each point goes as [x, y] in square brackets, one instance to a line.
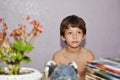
[74, 41]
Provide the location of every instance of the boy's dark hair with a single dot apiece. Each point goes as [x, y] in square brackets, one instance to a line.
[73, 21]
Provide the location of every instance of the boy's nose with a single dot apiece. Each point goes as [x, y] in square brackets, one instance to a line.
[74, 36]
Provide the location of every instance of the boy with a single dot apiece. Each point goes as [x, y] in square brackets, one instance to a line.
[72, 32]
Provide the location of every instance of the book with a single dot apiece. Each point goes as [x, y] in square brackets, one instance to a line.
[93, 76]
[106, 65]
[115, 60]
[92, 68]
[103, 69]
[106, 76]
[99, 74]
[90, 74]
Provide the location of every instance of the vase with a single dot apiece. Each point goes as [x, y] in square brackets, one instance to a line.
[31, 74]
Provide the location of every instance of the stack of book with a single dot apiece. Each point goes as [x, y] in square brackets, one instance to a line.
[103, 69]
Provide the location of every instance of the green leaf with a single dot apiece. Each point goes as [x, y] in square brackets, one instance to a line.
[13, 57]
[1, 69]
[26, 59]
[2, 51]
[17, 45]
[28, 47]
[22, 46]
[19, 56]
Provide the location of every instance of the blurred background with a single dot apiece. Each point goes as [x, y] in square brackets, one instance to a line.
[102, 19]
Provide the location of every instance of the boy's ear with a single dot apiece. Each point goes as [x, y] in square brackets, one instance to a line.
[84, 37]
[62, 37]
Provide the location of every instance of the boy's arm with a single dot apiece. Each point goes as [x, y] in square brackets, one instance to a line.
[91, 55]
[56, 58]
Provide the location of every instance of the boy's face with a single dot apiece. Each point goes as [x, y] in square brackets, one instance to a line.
[73, 36]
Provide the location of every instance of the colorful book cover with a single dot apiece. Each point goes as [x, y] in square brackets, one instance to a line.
[115, 60]
[100, 74]
[92, 76]
[106, 66]
[106, 76]
[94, 68]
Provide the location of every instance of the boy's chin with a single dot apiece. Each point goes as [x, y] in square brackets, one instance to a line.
[75, 46]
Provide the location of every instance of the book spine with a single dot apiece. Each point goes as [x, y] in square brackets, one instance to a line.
[110, 60]
[107, 67]
[99, 74]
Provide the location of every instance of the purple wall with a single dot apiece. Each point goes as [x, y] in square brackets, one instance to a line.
[102, 19]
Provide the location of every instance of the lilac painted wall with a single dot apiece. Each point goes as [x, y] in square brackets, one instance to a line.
[102, 19]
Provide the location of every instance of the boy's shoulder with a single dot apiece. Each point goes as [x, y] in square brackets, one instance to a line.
[88, 52]
[59, 52]
[58, 56]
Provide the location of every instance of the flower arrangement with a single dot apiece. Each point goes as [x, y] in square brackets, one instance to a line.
[13, 51]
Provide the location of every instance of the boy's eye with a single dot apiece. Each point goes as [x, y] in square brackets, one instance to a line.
[69, 32]
[79, 32]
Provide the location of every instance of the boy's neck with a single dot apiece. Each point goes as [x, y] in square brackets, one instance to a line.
[73, 50]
